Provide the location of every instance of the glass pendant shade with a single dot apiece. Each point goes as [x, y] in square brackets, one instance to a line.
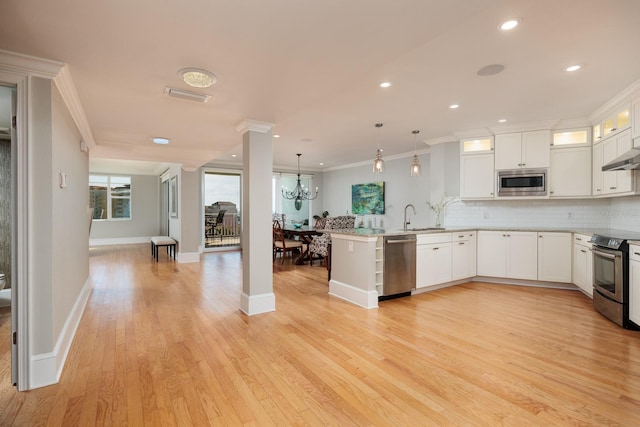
[416, 169]
[378, 163]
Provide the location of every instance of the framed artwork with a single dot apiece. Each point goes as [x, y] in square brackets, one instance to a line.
[367, 199]
[173, 197]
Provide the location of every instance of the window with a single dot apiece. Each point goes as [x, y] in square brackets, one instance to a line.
[110, 196]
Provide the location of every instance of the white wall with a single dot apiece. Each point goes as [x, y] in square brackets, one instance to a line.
[400, 190]
[69, 217]
[145, 211]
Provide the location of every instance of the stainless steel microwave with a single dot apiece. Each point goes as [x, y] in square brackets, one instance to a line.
[522, 183]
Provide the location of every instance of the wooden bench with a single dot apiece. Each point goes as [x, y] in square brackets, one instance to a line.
[158, 241]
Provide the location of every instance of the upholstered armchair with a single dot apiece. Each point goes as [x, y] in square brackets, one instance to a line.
[319, 245]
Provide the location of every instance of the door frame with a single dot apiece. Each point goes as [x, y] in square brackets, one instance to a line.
[20, 229]
[222, 171]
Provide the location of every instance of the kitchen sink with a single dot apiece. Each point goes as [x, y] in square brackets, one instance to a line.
[425, 229]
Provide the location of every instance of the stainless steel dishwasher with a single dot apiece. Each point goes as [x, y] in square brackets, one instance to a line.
[399, 274]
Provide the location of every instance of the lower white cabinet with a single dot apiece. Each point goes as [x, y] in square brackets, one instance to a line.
[510, 254]
[554, 257]
[634, 284]
[433, 259]
[583, 263]
[463, 255]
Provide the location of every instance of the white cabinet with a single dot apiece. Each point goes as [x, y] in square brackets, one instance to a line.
[510, 254]
[476, 145]
[596, 177]
[634, 284]
[463, 255]
[523, 150]
[615, 122]
[635, 120]
[570, 172]
[583, 263]
[433, 259]
[477, 180]
[615, 182]
[554, 257]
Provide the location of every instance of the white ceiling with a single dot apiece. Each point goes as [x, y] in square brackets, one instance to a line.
[313, 68]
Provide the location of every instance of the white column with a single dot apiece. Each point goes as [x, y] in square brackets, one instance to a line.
[257, 170]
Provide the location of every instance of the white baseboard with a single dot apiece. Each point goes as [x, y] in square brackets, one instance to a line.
[360, 297]
[257, 304]
[522, 282]
[119, 241]
[186, 257]
[46, 368]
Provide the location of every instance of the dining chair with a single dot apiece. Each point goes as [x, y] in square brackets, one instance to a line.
[213, 224]
[282, 244]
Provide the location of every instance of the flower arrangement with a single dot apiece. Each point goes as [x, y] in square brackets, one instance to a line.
[439, 207]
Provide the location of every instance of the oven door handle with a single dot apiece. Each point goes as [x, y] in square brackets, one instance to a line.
[604, 254]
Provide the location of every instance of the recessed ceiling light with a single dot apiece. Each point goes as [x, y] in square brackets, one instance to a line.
[234, 155]
[385, 84]
[276, 136]
[321, 163]
[454, 106]
[575, 67]
[197, 77]
[161, 141]
[509, 25]
[502, 120]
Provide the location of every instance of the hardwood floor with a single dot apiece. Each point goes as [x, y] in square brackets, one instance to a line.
[165, 344]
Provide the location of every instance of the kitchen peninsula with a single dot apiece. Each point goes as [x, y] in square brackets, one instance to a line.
[453, 256]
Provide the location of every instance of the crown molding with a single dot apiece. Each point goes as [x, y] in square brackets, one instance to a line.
[253, 126]
[524, 127]
[572, 124]
[473, 133]
[440, 140]
[626, 96]
[29, 65]
[67, 89]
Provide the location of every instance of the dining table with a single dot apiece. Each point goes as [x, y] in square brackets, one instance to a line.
[305, 234]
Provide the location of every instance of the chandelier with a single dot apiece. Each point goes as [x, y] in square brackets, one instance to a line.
[299, 193]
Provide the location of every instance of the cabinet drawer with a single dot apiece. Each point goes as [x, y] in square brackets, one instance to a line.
[634, 252]
[582, 239]
[463, 235]
[427, 239]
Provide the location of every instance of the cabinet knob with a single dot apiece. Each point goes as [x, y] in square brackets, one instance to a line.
[614, 129]
[550, 192]
[583, 251]
[435, 249]
[636, 253]
[612, 188]
[539, 237]
[462, 243]
[578, 239]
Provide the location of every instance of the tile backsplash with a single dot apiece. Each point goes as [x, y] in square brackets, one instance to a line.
[620, 213]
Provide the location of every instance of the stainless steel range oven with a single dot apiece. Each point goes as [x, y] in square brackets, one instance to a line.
[611, 275]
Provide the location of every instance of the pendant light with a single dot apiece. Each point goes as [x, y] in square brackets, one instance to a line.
[416, 169]
[299, 193]
[378, 163]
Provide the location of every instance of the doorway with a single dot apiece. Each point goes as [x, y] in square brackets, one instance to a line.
[8, 359]
[221, 210]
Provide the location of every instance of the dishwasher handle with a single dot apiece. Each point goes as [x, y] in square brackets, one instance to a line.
[400, 241]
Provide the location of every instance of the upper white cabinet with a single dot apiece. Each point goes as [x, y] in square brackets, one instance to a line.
[570, 172]
[554, 257]
[596, 177]
[476, 145]
[616, 182]
[477, 180]
[635, 120]
[523, 150]
[570, 138]
[613, 123]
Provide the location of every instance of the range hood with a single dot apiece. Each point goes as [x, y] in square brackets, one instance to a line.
[628, 161]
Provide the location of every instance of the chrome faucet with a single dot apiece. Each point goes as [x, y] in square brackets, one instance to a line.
[405, 215]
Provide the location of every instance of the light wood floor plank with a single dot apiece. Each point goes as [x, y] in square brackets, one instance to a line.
[164, 344]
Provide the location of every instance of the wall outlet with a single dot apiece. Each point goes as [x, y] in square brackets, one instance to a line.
[350, 246]
[570, 215]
